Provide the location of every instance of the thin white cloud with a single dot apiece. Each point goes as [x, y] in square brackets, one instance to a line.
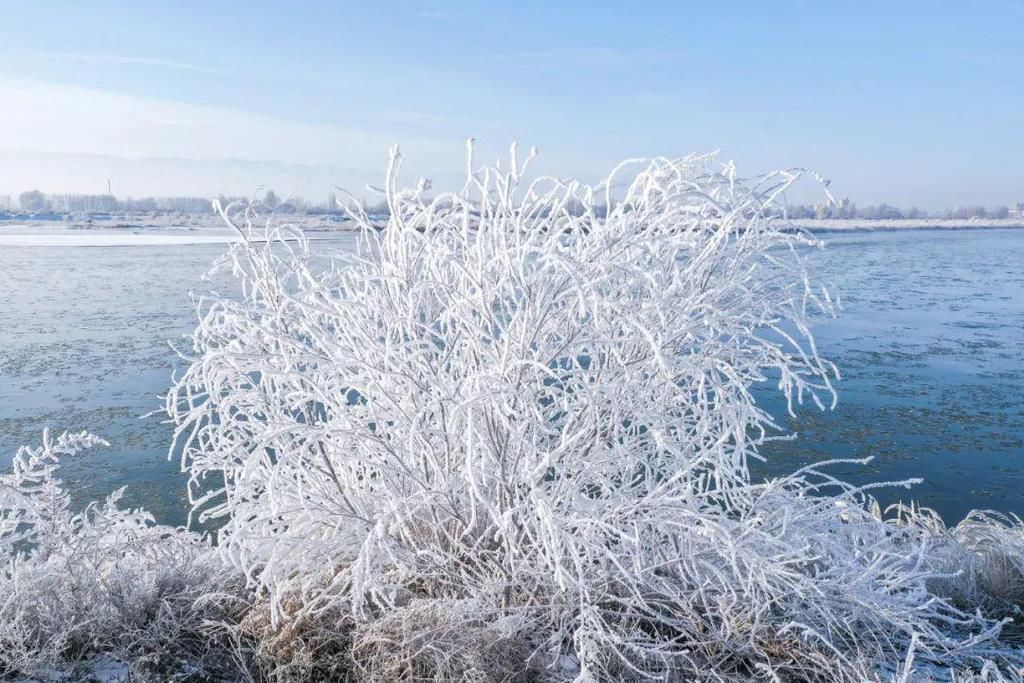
[39, 120]
[50, 117]
[131, 61]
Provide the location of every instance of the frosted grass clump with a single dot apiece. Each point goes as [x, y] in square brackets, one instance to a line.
[103, 582]
[515, 426]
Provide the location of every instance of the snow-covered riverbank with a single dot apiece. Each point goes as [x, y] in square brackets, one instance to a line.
[842, 225]
[69, 239]
[35, 235]
[180, 230]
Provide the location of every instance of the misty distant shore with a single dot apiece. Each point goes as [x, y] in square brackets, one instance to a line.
[849, 224]
[189, 228]
[185, 227]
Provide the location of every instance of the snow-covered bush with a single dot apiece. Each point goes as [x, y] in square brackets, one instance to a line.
[980, 561]
[508, 438]
[101, 582]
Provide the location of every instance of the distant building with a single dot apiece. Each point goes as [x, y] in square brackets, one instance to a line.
[1017, 211]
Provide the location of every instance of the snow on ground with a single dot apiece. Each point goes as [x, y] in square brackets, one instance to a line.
[101, 669]
[34, 235]
[841, 224]
[112, 240]
[167, 233]
[143, 230]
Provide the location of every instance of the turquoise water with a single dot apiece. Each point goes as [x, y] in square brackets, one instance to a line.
[85, 344]
[930, 342]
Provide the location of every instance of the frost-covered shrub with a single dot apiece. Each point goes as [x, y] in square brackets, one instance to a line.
[994, 546]
[300, 644]
[515, 425]
[104, 581]
[979, 562]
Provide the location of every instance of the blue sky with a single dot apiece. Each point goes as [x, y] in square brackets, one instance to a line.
[914, 103]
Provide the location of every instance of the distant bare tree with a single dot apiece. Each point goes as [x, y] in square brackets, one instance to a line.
[33, 200]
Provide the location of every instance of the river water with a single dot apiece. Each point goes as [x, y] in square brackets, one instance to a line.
[930, 344]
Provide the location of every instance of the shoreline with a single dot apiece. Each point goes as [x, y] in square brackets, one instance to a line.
[865, 225]
[136, 239]
[181, 230]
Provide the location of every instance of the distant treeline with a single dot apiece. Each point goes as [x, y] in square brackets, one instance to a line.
[36, 202]
[883, 211]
